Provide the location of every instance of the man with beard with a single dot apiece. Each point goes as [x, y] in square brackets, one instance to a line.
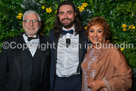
[68, 52]
[23, 62]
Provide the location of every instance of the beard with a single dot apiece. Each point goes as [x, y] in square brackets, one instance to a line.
[68, 25]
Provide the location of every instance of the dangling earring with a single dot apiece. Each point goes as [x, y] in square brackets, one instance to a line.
[104, 39]
[88, 39]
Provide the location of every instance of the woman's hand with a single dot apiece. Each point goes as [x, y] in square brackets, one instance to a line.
[97, 84]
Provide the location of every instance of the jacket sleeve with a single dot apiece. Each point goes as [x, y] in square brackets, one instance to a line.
[3, 67]
[46, 71]
[122, 78]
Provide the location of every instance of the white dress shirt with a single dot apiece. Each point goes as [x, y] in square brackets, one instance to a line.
[67, 58]
[32, 44]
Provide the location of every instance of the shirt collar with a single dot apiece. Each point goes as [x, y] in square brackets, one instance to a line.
[25, 37]
[73, 27]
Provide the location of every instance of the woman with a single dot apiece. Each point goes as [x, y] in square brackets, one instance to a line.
[104, 66]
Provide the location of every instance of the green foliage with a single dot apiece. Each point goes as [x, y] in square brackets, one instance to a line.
[116, 12]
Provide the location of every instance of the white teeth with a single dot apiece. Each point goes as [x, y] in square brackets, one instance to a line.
[95, 38]
[31, 28]
[65, 20]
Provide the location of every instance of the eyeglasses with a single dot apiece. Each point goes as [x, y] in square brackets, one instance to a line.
[33, 21]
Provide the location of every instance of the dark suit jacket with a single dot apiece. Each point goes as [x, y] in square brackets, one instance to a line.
[10, 67]
[54, 42]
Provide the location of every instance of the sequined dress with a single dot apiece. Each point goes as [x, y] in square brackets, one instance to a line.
[86, 65]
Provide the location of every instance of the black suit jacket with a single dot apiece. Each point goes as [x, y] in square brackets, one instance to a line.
[10, 65]
[54, 41]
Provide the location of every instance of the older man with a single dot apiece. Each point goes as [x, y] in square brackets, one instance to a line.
[22, 64]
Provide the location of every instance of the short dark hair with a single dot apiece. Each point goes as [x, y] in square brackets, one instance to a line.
[102, 22]
[77, 21]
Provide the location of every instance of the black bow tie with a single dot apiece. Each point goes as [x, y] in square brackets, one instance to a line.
[31, 38]
[69, 31]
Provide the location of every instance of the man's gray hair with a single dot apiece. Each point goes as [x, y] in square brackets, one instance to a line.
[31, 12]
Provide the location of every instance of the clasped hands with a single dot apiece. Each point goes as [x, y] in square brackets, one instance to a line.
[96, 85]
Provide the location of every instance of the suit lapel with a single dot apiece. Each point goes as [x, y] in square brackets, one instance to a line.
[81, 38]
[56, 45]
[42, 52]
[81, 47]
